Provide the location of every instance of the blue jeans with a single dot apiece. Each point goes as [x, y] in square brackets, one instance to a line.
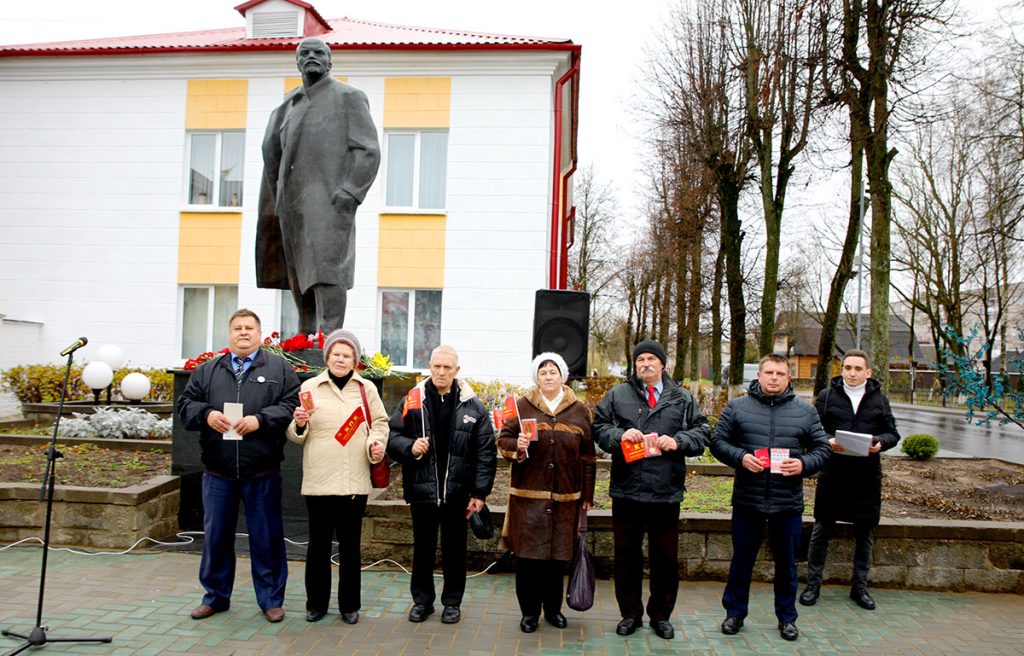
[748, 528]
[262, 499]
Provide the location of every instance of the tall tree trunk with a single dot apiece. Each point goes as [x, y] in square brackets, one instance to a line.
[879, 156]
[770, 289]
[694, 306]
[682, 332]
[844, 270]
[732, 240]
[716, 319]
[664, 315]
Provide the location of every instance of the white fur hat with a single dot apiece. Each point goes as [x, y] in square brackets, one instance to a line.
[554, 357]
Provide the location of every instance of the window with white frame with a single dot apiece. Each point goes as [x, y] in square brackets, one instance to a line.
[417, 169]
[410, 325]
[289, 315]
[205, 312]
[215, 169]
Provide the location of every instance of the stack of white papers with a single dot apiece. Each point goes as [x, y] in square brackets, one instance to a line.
[855, 444]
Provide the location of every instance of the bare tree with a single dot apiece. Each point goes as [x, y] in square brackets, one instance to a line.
[593, 263]
[880, 46]
[782, 52]
[697, 93]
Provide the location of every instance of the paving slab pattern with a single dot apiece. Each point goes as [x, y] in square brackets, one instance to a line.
[143, 599]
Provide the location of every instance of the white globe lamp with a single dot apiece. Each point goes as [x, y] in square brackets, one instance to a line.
[112, 355]
[135, 387]
[96, 376]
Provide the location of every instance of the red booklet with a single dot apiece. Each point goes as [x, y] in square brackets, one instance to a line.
[648, 448]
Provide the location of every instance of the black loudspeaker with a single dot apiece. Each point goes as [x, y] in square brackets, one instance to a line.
[561, 324]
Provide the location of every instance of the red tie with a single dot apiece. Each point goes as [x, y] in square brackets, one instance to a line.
[651, 401]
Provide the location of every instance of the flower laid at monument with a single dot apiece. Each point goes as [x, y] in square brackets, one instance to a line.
[303, 352]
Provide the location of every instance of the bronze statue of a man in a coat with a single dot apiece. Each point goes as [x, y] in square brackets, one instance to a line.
[320, 156]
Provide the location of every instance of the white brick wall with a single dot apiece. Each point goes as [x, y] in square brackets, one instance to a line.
[91, 179]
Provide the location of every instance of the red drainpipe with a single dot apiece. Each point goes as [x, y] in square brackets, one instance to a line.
[558, 268]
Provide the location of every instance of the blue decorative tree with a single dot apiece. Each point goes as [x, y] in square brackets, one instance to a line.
[988, 395]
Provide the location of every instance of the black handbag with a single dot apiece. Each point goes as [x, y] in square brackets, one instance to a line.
[480, 524]
[580, 593]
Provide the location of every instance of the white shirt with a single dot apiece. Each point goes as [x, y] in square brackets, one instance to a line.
[855, 394]
[553, 403]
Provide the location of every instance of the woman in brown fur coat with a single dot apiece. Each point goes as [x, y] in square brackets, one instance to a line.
[552, 479]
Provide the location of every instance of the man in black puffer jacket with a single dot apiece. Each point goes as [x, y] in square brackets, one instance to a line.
[646, 493]
[767, 424]
[444, 439]
[850, 488]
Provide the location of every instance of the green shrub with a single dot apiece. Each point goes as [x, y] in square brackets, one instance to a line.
[920, 446]
[593, 389]
[493, 394]
[41, 383]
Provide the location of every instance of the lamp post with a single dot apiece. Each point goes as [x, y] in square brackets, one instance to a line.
[96, 376]
[135, 387]
[113, 356]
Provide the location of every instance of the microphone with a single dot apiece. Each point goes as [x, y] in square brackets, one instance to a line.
[75, 345]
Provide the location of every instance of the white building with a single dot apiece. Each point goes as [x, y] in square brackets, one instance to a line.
[130, 170]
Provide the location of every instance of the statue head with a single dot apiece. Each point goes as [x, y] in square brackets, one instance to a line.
[313, 59]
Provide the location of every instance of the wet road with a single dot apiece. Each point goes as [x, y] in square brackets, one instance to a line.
[955, 434]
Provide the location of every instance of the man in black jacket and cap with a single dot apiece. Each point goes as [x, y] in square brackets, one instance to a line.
[646, 492]
[772, 439]
[850, 487]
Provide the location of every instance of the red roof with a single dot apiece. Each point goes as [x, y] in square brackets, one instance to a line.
[344, 34]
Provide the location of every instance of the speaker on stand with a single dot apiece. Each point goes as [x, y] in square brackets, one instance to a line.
[561, 324]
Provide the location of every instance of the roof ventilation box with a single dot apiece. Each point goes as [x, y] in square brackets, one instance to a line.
[268, 24]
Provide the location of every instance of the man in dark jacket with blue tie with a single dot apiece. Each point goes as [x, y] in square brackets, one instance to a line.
[242, 461]
[772, 439]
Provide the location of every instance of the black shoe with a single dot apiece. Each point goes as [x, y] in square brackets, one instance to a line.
[529, 623]
[420, 612]
[627, 626]
[863, 599]
[314, 615]
[556, 620]
[350, 618]
[663, 629]
[809, 596]
[732, 625]
[788, 631]
[451, 614]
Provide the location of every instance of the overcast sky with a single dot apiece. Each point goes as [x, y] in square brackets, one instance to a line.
[612, 33]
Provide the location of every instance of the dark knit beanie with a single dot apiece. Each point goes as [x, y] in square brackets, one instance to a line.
[652, 347]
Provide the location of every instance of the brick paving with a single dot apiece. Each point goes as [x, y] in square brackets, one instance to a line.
[143, 599]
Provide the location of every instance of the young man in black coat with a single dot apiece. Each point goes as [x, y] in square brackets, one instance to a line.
[850, 487]
[768, 419]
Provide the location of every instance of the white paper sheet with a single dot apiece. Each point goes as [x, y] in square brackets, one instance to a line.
[855, 444]
[233, 411]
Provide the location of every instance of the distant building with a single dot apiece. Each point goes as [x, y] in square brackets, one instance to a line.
[799, 335]
[130, 171]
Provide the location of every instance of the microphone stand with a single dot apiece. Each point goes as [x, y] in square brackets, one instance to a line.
[38, 637]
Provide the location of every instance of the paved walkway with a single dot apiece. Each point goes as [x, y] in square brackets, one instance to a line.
[143, 599]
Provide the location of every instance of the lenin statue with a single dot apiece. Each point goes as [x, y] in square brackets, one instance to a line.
[320, 156]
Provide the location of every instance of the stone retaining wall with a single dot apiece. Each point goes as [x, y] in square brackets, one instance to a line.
[909, 553]
[105, 518]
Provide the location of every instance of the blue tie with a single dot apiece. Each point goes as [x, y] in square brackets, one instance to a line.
[240, 368]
